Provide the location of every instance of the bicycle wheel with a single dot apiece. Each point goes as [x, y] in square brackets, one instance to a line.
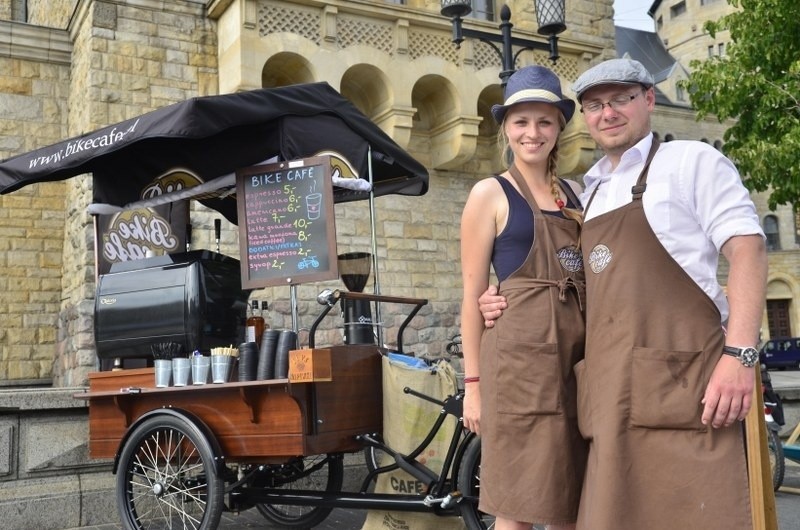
[318, 472]
[469, 483]
[777, 463]
[166, 479]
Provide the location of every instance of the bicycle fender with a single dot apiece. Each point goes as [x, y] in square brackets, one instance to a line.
[462, 447]
[198, 424]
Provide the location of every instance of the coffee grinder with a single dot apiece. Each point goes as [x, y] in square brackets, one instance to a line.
[354, 270]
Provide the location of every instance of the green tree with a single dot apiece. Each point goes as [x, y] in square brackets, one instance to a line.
[757, 83]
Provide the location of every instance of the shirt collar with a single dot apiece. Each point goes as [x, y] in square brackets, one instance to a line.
[634, 156]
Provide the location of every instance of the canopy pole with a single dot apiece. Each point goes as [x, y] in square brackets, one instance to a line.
[377, 283]
[293, 303]
[97, 239]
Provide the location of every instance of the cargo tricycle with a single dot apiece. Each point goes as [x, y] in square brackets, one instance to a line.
[184, 455]
[273, 162]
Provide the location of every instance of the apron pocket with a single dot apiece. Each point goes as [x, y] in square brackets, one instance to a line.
[666, 389]
[584, 411]
[528, 378]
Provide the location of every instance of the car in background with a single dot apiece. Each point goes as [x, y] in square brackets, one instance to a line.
[781, 353]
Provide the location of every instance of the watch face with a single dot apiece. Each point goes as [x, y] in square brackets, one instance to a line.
[749, 356]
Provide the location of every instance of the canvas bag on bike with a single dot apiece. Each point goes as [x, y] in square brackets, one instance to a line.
[406, 421]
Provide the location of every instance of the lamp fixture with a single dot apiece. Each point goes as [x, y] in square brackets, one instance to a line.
[550, 15]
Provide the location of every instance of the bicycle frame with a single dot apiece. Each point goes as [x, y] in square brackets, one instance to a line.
[436, 484]
[437, 499]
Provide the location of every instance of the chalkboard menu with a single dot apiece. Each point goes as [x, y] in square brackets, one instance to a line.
[287, 229]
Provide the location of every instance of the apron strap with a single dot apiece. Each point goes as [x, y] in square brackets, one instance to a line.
[591, 198]
[641, 183]
[570, 193]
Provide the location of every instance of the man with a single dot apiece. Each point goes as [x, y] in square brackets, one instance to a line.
[663, 382]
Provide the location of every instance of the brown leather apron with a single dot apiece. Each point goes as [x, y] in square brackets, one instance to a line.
[532, 455]
[653, 338]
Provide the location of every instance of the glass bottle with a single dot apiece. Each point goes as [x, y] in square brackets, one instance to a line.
[255, 324]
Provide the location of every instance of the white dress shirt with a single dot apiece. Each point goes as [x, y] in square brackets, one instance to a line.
[695, 201]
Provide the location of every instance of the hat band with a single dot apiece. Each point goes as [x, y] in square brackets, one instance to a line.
[532, 93]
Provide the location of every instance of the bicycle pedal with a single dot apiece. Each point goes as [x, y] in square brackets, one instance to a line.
[444, 502]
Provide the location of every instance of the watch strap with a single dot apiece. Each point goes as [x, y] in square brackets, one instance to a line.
[748, 356]
[730, 350]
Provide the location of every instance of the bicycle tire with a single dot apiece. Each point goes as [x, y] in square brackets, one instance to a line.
[777, 461]
[296, 475]
[372, 455]
[166, 478]
[469, 483]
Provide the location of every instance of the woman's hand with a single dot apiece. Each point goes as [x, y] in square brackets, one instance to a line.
[472, 407]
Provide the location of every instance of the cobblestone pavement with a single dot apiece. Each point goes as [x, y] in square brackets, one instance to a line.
[787, 500]
[338, 520]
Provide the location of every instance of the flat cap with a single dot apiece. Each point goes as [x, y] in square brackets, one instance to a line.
[612, 72]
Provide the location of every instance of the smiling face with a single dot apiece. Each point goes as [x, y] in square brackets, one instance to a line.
[617, 128]
[532, 130]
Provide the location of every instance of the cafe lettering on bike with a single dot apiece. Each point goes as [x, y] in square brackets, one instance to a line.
[287, 231]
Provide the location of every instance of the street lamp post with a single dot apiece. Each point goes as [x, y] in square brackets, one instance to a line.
[550, 15]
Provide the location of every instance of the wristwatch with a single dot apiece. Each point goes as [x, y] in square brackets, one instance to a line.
[747, 356]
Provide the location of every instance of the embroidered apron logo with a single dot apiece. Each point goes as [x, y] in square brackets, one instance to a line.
[570, 258]
[599, 258]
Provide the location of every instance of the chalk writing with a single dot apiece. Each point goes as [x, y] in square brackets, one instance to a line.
[286, 223]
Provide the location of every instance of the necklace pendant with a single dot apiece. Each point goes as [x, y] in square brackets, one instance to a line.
[560, 203]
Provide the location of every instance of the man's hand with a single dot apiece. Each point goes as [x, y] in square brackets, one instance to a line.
[491, 305]
[729, 394]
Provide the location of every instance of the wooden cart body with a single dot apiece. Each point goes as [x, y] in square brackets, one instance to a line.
[258, 421]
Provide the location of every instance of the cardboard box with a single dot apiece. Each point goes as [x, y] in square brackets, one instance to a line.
[309, 365]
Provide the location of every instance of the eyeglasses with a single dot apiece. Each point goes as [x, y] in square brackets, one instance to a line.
[619, 101]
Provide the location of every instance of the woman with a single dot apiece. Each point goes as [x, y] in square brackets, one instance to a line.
[520, 389]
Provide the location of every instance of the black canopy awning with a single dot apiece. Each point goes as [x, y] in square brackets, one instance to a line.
[214, 136]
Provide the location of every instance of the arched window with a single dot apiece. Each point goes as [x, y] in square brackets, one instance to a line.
[772, 232]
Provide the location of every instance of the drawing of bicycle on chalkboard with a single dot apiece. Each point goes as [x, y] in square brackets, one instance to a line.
[310, 261]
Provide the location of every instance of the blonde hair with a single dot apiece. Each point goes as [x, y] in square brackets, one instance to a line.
[552, 165]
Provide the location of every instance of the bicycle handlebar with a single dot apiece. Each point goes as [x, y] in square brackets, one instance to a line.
[330, 299]
[420, 395]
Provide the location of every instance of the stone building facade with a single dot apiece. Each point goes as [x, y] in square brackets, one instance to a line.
[72, 66]
[679, 23]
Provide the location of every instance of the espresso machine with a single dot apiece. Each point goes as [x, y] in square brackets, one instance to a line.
[354, 268]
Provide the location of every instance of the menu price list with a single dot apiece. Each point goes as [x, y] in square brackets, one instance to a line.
[287, 219]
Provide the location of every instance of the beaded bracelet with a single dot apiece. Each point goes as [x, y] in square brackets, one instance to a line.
[471, 379]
